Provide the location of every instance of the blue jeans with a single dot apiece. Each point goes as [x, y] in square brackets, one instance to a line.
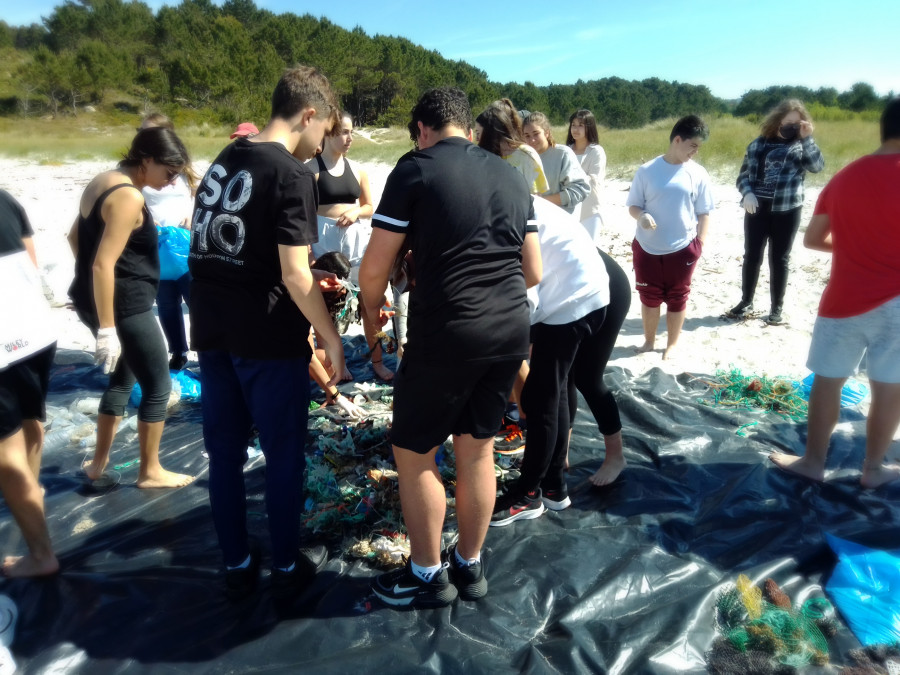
[171, 316]
[274, 394]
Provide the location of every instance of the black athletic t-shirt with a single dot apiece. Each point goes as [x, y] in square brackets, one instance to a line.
[465, 212]
[14, 225]
[254, 197]
[136, 272]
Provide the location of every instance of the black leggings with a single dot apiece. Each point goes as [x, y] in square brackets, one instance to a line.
[778, 228]
[606, 411]
[144, 358]
[565, 358]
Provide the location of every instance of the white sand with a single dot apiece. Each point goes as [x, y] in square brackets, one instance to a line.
[50, 196]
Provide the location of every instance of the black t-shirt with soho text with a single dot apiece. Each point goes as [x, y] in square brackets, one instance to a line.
[254, 197]
[465, 213]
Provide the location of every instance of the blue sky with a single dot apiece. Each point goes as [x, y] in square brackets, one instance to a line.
[729, 45]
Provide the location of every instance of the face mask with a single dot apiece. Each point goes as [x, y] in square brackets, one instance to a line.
[788, 131]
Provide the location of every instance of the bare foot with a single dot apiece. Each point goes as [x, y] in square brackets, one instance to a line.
[798, 465]
[93, 472]
[608, 471]
[646, 347]
[382, 372]
[164, 479]
[880, 475]
[27, 566]
[669, 352]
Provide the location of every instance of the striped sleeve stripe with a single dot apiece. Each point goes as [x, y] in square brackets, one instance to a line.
[389, 223]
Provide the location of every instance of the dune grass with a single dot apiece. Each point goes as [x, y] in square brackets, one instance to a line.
[101, 136]
[626, 149]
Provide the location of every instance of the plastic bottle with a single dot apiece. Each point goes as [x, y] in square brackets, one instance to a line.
[62, 419]
[86, 406]
[57, 439]
[130, 424]
[78, 419]
[81, 432]
[88, 442]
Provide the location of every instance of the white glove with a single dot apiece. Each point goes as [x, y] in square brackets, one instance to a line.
[646, 221]
[751, 203]
[108, 349]
[349, 407]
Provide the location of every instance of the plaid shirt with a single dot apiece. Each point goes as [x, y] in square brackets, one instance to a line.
[802, 156]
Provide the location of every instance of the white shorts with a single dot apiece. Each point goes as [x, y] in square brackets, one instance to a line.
[351, 241]
[838, 345]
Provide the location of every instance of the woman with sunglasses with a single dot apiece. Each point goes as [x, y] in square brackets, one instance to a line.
[172, 207]
[116, 277]
[771, 183]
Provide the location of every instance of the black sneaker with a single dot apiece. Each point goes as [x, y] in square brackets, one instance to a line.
[556, 500]
[740, 311]
[402, 588]
[775, 318]
[511, 416]
[309, 561]
[510, 508]
[468, 579]
[241, 581]
[512, 442]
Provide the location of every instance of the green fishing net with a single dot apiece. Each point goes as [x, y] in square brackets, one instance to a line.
[732, 388]
[750, 622]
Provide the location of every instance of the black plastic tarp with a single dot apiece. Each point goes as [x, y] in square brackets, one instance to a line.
[624, 581]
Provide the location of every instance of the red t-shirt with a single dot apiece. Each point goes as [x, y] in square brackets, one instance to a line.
[862, 202]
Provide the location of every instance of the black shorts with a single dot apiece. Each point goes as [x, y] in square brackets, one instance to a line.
[433, 402]
[23, 390]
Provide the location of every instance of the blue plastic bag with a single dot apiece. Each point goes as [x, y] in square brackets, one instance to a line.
[174, 246]
[183, 381]
[189, 383]
[865, 588]
[852, 393]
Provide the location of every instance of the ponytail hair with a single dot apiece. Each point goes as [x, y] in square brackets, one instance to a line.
[161, 145]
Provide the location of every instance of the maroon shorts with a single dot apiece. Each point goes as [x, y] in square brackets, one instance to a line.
[665, 278]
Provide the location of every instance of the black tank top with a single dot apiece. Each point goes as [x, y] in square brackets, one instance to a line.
[136, 271]
[343, 189]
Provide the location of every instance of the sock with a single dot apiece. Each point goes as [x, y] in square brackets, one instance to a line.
[465, 562]
[244, 565]
[426, 574]
[287, 569]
